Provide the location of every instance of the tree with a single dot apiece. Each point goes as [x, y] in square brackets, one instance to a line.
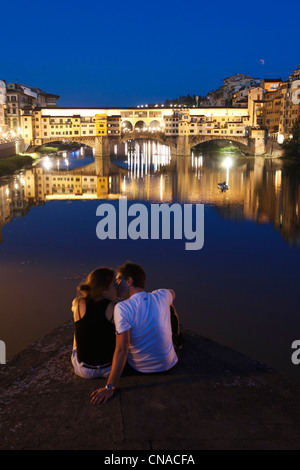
[292, 146]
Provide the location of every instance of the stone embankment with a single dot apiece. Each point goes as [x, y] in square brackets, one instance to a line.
[14, 147]
[273, 149]
[216, 398]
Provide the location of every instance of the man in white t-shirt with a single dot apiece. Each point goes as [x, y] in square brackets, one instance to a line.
[143, 329]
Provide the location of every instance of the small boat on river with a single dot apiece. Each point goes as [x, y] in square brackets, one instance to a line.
[223, 186]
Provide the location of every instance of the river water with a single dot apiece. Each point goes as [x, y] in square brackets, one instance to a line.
[240, 289]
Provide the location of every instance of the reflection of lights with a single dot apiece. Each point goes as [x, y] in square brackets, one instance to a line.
[16, 186]
[47, 163]
[65, 154]
[227, 162]
[7, 192]
[278, 179]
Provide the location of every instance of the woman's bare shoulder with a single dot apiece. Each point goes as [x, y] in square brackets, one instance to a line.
[78, 308]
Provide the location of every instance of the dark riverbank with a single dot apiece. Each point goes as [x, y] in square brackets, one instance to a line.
[9, 165]
[216, 398]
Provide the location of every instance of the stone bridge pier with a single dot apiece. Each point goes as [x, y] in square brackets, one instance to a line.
[101, 146]
[183, 146]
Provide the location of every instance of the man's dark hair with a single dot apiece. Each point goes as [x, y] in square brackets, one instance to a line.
[135, 271]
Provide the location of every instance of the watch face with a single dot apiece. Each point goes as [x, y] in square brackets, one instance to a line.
[109, 387]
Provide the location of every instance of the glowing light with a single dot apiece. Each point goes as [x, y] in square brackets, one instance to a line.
[47, 163]
[280, 138]
[227, 162]
[278, 179]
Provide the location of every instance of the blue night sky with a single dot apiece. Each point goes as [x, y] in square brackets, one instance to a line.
[130, 53]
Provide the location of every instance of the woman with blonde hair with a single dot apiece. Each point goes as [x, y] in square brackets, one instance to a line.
[94, 330]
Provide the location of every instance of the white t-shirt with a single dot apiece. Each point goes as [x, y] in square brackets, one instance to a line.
[147, 315]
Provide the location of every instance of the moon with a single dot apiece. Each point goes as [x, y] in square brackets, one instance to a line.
[262, 61]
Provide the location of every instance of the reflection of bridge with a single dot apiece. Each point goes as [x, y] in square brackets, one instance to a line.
[258, 188]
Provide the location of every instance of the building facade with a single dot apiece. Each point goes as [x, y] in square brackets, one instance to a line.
[20, 96]
[2, 107]
[282, 106]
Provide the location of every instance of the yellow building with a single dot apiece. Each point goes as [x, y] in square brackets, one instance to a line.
[282, 107]
[271, 84]
[101, 124]
[102, 186]
[272, 110]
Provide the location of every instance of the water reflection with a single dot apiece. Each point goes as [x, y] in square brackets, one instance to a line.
[260, 190]
[49, 242]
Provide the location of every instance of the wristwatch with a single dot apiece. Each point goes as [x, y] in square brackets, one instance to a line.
[109, 387]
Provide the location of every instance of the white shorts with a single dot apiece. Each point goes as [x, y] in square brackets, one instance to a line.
[88, 372]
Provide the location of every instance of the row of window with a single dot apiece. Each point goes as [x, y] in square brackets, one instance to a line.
[208, 131]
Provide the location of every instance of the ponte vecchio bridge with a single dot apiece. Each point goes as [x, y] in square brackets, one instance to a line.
[179, 127]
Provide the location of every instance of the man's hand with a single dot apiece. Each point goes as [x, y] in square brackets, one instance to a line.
[102, 395]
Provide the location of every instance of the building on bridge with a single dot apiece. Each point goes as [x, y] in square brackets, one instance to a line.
[40, 125]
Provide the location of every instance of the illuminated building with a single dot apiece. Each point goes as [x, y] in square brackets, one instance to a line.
[19, 96]
[2, 106]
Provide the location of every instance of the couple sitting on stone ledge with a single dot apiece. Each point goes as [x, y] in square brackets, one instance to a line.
[121, 328]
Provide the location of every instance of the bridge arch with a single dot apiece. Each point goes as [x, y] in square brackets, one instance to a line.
[155, 125]
[127, 126]
[241, 142]
[140, 125]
